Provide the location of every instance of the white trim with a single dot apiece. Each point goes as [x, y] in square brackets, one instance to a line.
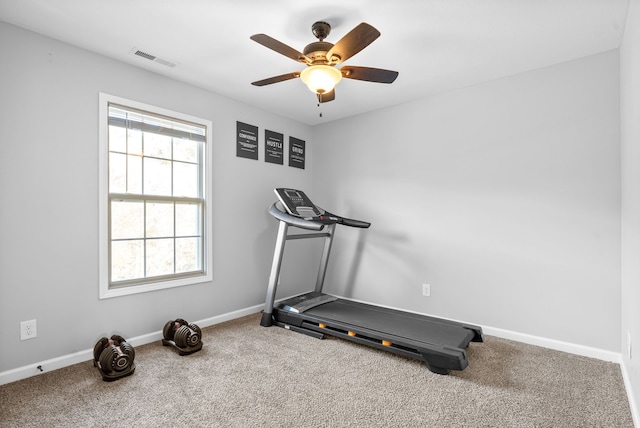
[86, 355]
[635, 411]
[104, 291]
[48, 365]
[572, 348]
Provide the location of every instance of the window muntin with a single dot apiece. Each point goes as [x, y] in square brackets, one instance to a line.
[156, 221]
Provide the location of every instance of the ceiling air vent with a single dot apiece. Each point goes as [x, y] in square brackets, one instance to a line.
[153, 58]
[144, 55]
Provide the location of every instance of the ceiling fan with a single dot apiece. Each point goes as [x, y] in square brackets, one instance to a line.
[320, 57]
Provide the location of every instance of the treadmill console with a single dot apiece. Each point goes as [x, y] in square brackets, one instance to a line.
[297, 203]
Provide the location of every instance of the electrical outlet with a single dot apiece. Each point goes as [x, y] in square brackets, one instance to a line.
[426, 290]
[28, 330]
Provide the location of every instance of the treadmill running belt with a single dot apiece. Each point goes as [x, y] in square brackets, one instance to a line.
[395, 323]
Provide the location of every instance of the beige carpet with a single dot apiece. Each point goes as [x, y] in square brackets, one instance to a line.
[250, 376]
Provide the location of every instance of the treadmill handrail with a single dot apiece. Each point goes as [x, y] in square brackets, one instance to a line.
[314, 223]
[293, 220]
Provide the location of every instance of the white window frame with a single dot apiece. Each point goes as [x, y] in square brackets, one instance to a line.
[105, 289]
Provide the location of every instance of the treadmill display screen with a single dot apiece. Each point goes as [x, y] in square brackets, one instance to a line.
[297, 203]
[294, 195]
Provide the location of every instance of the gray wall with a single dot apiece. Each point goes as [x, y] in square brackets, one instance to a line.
[49, 208]
[503, 196]
[630, 121]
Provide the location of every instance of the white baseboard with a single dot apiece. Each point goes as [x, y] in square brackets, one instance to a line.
[557, 345]
[86, 355]
[635, 411]
[48, 365]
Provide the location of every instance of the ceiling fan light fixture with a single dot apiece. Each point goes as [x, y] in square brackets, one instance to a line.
[320, 78]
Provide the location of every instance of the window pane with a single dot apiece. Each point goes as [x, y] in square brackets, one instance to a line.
[117, 139]
[157, 146]
[185, 150]
[159, 220]
[134, 142]
[159, 257]
[117, 173]
[187, 219]
[127, 260]
[134, 174]
[187, 254]
[127, 219]
[185, 179]
[157, 177]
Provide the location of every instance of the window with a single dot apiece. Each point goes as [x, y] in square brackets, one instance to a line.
[155, 224]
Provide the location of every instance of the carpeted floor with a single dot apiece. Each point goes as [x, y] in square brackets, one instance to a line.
[250, 376]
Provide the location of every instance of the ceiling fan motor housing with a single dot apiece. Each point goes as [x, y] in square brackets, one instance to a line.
[317, 52]
[321, 29]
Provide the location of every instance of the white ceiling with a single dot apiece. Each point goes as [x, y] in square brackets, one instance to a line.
[435, 45]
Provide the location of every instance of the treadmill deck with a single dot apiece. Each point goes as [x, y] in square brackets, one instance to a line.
[440, 343]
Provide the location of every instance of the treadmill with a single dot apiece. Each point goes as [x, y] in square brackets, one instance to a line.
[440, 343]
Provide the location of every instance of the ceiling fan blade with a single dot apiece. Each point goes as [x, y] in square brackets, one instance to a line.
[276, 79]
[327, 96]
[368, 74]
[280, 47]
[352, 43]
